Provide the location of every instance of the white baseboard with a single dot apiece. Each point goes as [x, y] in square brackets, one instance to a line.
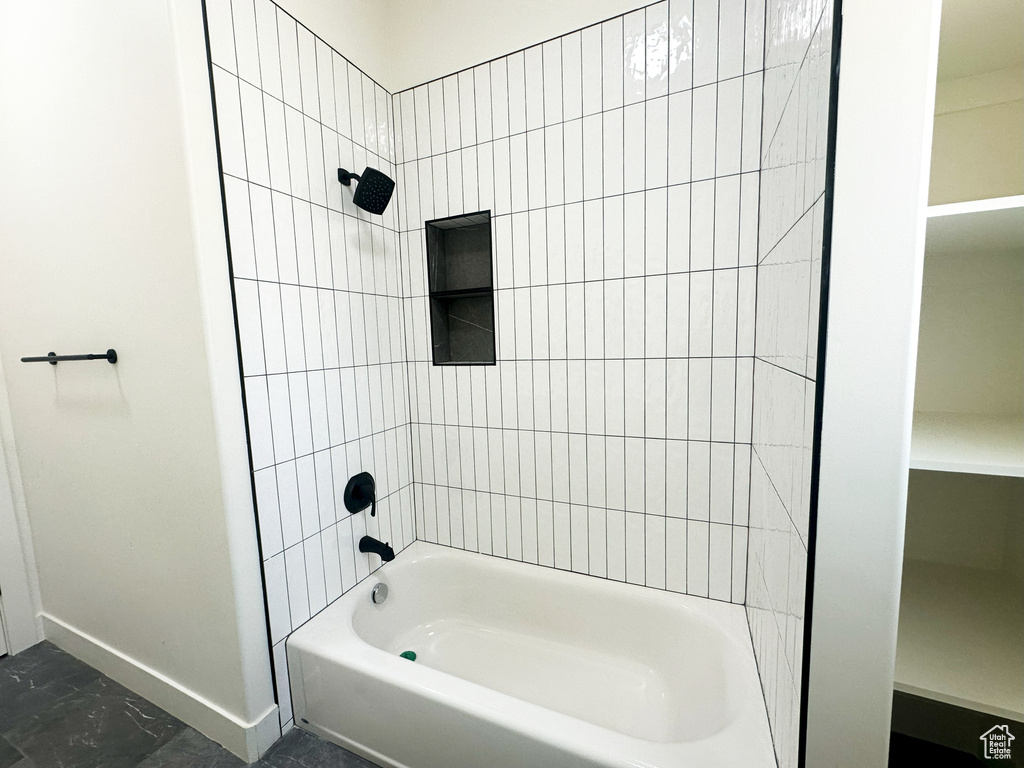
[247, 740]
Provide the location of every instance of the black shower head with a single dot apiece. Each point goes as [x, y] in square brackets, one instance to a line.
[373, 193]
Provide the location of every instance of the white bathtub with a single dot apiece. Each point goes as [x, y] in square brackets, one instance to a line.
[524, 666]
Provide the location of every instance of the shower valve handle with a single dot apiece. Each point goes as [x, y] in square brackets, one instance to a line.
[360, 493]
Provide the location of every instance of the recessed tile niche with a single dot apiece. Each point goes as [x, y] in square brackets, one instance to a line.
[461, 284]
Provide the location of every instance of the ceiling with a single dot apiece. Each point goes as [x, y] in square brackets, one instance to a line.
[980, 36]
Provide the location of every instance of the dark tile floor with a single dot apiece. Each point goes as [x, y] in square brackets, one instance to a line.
[908, 752]
[56, 712]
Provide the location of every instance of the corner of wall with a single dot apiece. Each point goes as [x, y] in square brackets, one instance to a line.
[18, 577]
[222, 354]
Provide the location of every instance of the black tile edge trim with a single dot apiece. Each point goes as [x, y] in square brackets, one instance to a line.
[238, 349]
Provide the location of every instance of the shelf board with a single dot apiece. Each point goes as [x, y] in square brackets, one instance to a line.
[977, 225]
[961, 637]
[958, 442]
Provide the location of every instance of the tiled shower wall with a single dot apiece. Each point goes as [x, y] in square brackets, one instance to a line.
[796, 97]
[318, 294]
[639, 203]
[621, 167]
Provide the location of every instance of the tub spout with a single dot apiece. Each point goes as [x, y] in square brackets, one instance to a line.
[381, 548]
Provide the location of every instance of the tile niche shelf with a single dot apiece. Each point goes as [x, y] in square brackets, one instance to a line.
[460, 281]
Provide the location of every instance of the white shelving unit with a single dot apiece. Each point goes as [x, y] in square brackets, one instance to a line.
[961, 628]
[961, 633]
[969, 441]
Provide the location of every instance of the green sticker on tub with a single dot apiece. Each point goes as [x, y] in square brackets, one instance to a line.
[410, 655]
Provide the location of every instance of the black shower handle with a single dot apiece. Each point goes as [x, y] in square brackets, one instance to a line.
[360, 493]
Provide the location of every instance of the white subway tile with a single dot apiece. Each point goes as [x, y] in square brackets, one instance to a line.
[658, 47]
[562, 536]
[676, 469]
[229, 123]
[569, 82]
[697, 558]
[288, 43]
[675, 555]
[678, 245]
[244, 20]
[705, 41]
[517, 94]
[591, 45]
[720, 549]
[298, 594]
[655, 551]
[729, 122]
[633, 140]
[731, 20]
[276, 581]
[612, 64]
[680, 45]
[704, 129]
[636, 541]
[616, 544]
[249, 327]
[307, 73]
[222, 36]
[536, 80]
[698, 399]
[702, 230]
[634, 56]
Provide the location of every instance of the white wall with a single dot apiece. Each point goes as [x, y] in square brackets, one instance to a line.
[969, 356]
[147, 565]
[888, 78]
[437, 38]
[402, 43]
[19, 585]
[359, 29]
[965, 520]
[977, 151]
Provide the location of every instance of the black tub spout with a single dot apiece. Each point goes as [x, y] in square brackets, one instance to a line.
[381, 548]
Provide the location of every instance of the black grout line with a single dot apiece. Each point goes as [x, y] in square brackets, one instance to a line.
[309, 398]
[714, 253]
[399, 206]
[689, 325]
[736, 340]
[665, 551]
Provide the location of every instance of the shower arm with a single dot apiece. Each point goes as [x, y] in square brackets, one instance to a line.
[346, 177]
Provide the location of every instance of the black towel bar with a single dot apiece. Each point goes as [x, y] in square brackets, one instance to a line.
[53, 358]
